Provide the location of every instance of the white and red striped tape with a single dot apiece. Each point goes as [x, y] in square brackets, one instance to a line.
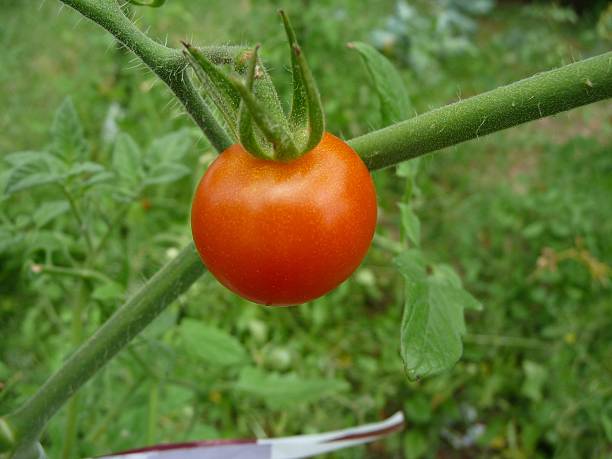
[269, 448]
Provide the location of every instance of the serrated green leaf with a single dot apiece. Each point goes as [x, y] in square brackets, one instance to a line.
[211, 344]
[394, 100]
[127, 158]
[48, 211]
[411, 264]
[99, 177]
[30, 175]
[165, 173]
[68, 139]
[432, 326]
[446, 274]
[411, 225]
[85, 168]
[22, 157]
[280, 391]
[170, 148]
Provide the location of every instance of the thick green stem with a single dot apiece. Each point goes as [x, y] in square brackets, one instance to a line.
[167, 63]
[167, 284]
[541, 95]
[32, 450]
[72, 417]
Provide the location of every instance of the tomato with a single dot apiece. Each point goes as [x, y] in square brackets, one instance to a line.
[283, 233]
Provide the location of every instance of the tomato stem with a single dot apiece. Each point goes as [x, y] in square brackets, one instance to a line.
[541, 95]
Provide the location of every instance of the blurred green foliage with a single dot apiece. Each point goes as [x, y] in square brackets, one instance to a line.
[522, 215]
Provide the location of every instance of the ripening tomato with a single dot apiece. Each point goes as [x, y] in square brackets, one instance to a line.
[283, 233]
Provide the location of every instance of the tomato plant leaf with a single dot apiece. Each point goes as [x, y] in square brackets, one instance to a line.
[165, 173]
[211, 344]
[98, 177]
[68, 140]
[84, 168]
[279, 391]
[169, 148]
[127, 159]
[30, 175]
[394, 99]
[432, 326]
[411, 225]
[48, 211]
[411, 264]
[445, 274]
[31, 169]
[23, 157]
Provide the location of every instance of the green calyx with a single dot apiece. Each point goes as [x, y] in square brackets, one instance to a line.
[246, 99]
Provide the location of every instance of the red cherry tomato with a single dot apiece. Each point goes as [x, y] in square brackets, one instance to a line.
[284, 233]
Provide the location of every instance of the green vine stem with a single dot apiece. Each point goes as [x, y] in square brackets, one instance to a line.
[541, 95]
[27, 423]
[167, 63]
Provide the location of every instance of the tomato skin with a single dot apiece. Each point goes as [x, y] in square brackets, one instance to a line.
[284, 233]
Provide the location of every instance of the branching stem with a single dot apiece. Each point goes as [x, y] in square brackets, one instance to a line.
[541, 95]
[167, 63]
